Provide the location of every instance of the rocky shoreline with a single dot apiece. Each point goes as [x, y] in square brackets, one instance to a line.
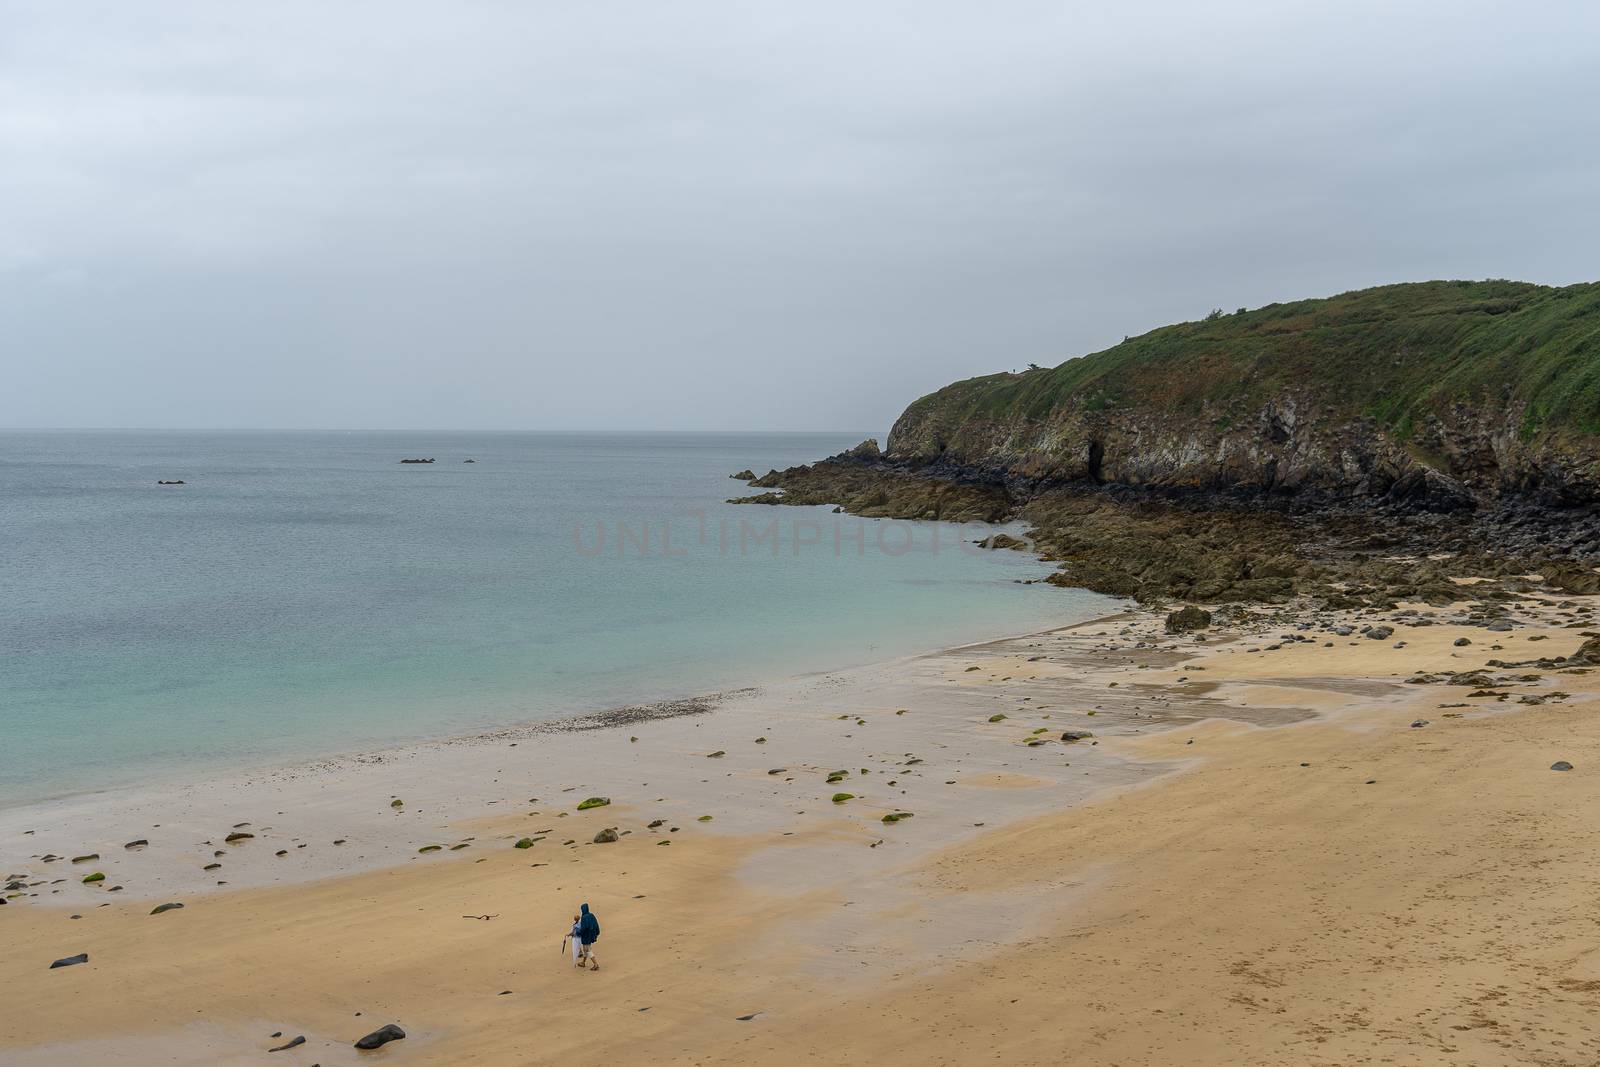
[1213, 546]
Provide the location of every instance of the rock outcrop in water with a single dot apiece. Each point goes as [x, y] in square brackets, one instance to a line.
[1363, 448]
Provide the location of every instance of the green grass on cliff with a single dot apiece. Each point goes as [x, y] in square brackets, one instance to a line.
[1396, 353]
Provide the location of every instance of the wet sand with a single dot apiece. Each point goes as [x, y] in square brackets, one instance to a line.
[1177, 888]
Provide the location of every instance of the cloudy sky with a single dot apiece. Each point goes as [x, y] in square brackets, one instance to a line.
[675, 214]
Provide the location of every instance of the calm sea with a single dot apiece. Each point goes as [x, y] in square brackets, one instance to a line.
[306, 593]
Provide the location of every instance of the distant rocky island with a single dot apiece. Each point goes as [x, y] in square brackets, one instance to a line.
[1363, 448]
[416, 461]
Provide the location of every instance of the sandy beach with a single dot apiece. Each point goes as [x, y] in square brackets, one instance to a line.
[1255, 858]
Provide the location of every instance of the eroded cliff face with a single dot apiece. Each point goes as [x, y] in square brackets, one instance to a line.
[1373, 446]
[1467, 458]
[1443, 393]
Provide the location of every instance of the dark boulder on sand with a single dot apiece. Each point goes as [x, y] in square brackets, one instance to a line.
[69, 961]
[381, 1037]
[1588, 654]
[1188, 618]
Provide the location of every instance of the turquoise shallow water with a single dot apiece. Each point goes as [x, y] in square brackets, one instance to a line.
[305, 593]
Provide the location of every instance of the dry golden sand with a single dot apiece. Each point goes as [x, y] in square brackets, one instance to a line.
[1243, 910]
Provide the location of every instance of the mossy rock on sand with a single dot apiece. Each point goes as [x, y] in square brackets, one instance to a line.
[525, 842]
[237, 837]
[594, 802]
[998, 717]
[840, 798]
[397, 803]
[896, 816]
[703, 818]
[431, 848]
[1187, 619]
[89, 879]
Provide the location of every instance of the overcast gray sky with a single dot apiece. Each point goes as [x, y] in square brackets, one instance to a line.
[687, 215]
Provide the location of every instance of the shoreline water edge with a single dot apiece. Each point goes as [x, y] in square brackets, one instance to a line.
[865, 836]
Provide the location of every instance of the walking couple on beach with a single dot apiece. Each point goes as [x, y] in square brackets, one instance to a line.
[585, 932]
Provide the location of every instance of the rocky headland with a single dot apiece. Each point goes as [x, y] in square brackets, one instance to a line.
[1358, 450]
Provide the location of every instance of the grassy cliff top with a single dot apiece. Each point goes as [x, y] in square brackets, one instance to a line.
[1394, 353]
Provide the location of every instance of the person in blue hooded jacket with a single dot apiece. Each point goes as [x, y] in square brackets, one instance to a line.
[588, 934]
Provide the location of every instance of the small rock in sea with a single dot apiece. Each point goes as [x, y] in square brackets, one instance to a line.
[605, 837]
[69, 961]
[381, 1037]
[294, 1042]
[159, 908]
[1561, 765]
[1462, 642]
